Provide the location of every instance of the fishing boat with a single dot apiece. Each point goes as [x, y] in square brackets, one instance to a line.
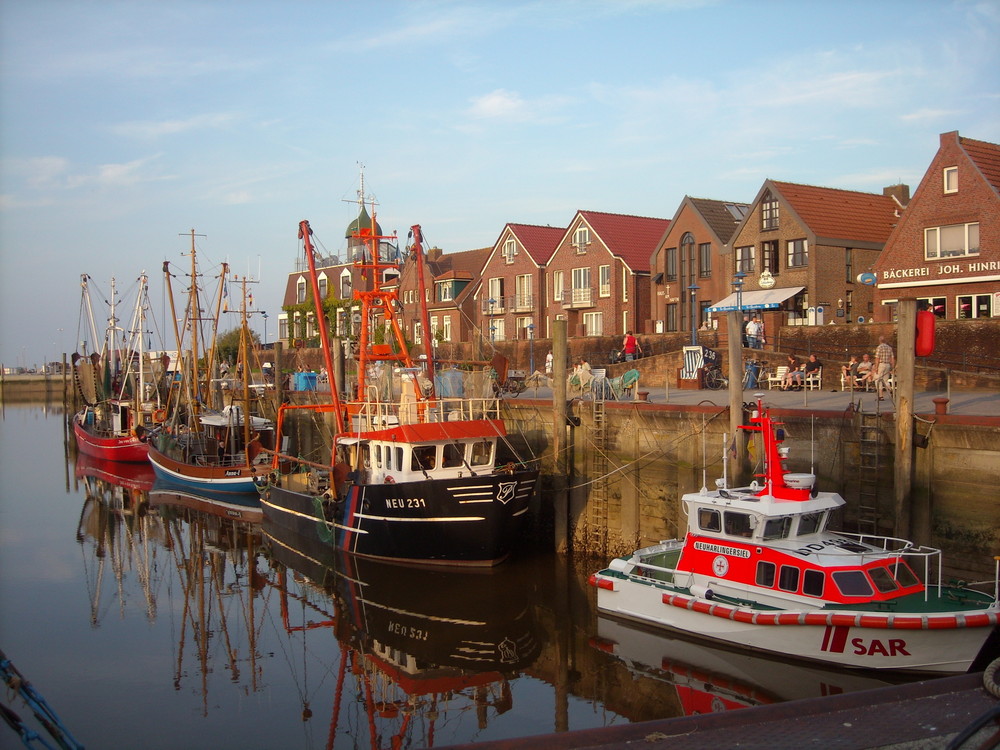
[758, 567]
[408, 474]
[215, 436]
[118, 385]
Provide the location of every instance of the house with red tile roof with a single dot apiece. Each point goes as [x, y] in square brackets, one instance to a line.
[688, 265]
[598, 277]
[449, 282]
[510, 296]
[945, 249]
[801, 249]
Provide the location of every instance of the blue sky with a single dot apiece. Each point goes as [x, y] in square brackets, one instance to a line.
[124, 125]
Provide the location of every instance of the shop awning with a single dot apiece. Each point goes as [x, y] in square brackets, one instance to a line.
[758, 299]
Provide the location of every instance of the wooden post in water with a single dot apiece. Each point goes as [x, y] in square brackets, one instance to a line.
[906, 339]
[560, 442]
[734, 325]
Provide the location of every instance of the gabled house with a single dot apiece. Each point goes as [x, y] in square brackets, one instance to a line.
[690, 255]
[513, 281]
[598, 275]
[801, 249]
[448, 287]
[945, 250]
[338, 278]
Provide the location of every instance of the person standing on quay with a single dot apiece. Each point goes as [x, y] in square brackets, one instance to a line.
[630, 346]
[885, 361]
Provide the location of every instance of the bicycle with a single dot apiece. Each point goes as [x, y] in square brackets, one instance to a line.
[715, 380]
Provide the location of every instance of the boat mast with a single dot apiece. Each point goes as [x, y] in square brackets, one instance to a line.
[305, 234]
[417, 253]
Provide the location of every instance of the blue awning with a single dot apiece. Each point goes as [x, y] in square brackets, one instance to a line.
[758, 299]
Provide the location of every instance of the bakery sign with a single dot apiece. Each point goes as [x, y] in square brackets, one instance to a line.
[940, 273]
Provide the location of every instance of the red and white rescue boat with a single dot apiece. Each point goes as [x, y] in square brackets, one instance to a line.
[759, 568]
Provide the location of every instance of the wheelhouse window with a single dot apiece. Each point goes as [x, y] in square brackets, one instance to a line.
[745, 259]
[883, 580]
[481, 453]
[798, 253]
[852, 583]
[709, 519]
[453, 455]
[811, 523]
[777, 528]
[769, 212]
[738, 524]
[424, 458]
[904, 574]
[952, 241]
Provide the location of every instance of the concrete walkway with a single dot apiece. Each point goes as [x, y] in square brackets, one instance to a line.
[977, 403]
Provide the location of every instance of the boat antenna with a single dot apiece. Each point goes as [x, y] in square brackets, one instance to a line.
[812, 444]
[704, 458]
[725, 463]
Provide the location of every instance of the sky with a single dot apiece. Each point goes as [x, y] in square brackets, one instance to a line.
[125, 125]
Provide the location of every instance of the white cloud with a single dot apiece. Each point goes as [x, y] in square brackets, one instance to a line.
[926, 113]
[150, 129]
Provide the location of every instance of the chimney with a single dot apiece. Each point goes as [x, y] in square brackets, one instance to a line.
[900, 192]
[434, 254]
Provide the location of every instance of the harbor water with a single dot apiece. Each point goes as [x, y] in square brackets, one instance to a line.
[144, 623]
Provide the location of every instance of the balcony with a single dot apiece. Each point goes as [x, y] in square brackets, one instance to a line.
[576, 298]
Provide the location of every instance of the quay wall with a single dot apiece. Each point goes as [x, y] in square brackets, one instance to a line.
[631, 462]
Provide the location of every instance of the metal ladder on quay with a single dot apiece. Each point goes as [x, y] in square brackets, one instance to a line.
[597, 470]
[870, 461]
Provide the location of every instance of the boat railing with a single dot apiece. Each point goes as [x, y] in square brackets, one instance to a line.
[378, 415]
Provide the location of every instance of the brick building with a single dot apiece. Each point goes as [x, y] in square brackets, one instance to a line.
[801, 249]
[945, 251]
[690, 254]
[598, 276]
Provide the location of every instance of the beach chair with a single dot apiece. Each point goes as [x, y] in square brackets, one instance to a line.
[622, 387]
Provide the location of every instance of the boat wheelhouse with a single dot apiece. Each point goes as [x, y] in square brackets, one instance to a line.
[760, 567]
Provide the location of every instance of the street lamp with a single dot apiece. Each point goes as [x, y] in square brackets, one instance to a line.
[694, 328]
[531, 348]
[263, 314]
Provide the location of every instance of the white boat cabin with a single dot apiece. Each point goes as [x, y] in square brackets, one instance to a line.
[388, 462]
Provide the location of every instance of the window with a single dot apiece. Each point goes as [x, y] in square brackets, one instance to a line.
[671, 264]
[557, 286]
[765, 573]
[788, 578]
[951, 179]
[346, 285]
[672, 317]
[687, 254]
[769, 257]
[883, 580]
[424, 458]
[852, 583]
[495, 301]
[581, 238]
[445, 291]
[522, 291]
[522, 323]
[703, 314]
[709, 519]
[849, 265]
[300, 291]
[810, 523]
[769, 212]
[498, 331]
[581, 286]
[744, 259]
[937, 305]
[593, 324]
[812, 582]
[482, 453]
[973, 306]
[509, 251]
[453, 455]
[777, 528]
[323, 286]
[624, 284]
[604, 281]
[446, 328]
[904, 575]
[738, 524]
[798, 254]
[418, 334]
[705, 259]
[954, 241]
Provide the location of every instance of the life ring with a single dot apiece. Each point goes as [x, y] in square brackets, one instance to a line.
[390, 480]
[159, 415]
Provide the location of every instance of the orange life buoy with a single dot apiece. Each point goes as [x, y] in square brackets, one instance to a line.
[159, 415]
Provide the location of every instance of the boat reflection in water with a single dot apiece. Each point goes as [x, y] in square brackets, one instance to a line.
[232, 505]
[711, 679]
[426, 648]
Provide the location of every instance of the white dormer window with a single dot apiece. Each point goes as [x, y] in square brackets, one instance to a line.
[509, 251]
[300, 290]
[951, 179]
[581, 238]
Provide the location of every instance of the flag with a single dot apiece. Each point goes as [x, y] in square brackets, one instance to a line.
[225, 296]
